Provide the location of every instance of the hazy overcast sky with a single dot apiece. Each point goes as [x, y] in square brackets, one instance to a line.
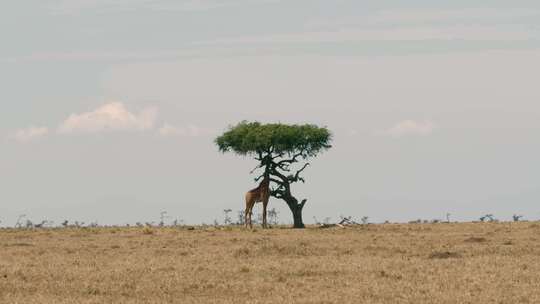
[110, 107]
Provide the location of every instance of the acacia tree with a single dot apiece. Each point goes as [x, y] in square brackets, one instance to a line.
[282, 152]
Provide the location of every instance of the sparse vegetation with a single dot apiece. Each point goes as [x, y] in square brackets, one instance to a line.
[376, 263]
[227, 220]
[488, 217]
[147, 230]
[162, 217]
[273, 216]
[365, 220]
[240, 218]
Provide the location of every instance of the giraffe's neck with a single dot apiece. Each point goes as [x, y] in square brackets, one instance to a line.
[265, 183]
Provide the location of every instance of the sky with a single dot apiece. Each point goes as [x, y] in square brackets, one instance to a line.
[110, 107]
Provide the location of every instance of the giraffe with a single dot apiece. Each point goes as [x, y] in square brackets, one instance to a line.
[259, 194]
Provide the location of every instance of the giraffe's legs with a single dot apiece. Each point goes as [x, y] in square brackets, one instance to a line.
[248, 212]
[250, 215]
[247, 216]
[249, 219]
[264, 223]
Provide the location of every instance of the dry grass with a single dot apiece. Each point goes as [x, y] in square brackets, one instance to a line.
[414, 263]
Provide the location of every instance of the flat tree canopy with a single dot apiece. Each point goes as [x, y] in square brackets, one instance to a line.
[280, 139]
[278, 146]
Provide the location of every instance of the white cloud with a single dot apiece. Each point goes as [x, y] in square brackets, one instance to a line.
[29, 134]
[110, 117]
[168, 130]
[411, 127]
[114, 116]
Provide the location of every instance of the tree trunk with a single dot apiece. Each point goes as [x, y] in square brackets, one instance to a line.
[297, 215]
[296, 210]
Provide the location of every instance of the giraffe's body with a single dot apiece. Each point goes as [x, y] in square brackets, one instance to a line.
[259, 194]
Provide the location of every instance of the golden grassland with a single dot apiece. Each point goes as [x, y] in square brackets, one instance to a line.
[386, 263]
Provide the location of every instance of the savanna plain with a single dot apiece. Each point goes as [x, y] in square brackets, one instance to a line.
[382, 263]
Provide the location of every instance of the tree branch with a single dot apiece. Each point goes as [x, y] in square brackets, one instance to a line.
[259, 177]
[278, 155]
[277, 193]
[274, 172]
[260, 157]
[293, 159]
[297, 175]
[255, 169]
[276, 181]
[284, 167]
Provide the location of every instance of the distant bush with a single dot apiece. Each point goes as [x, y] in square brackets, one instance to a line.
[147, 230]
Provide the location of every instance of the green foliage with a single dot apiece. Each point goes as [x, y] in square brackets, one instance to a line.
[254, 138]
